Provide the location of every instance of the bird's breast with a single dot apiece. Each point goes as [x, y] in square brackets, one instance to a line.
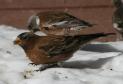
[40, 57]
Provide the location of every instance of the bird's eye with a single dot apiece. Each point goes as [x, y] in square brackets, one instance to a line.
[24, 36]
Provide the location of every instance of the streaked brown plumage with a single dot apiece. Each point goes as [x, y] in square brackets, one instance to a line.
[56, 23]
[52, 49]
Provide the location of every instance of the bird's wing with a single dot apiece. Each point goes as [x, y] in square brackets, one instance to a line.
[64, 20]
[66, 44]
[60, 46]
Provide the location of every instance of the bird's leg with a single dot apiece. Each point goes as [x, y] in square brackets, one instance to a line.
[45, 66]
[33, 64]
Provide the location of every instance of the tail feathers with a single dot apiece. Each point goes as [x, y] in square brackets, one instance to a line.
[98, 34]
[91, 25]
[89, 37]
[102, 34]
[87, 23]
[74, 43]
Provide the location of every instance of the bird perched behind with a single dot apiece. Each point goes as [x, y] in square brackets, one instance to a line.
[56, 23]
[49, 50]
[118, 18]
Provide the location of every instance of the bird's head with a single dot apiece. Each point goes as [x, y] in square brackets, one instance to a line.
[33, 23]
[24, 38]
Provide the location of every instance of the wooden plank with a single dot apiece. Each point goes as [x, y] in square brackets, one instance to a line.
[41, 4]
[88, 3]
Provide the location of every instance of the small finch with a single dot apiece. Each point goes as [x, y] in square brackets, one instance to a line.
[50, 50]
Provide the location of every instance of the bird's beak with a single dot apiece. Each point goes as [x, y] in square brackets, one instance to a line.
[17, 41]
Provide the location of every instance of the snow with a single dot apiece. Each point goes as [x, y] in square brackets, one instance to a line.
[96, 63]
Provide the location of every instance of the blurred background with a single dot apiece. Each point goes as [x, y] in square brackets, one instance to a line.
[16, 12]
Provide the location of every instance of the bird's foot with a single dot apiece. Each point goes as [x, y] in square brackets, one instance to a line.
[30, 70]
[33, 68]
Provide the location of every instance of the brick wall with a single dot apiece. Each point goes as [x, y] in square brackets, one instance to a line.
[16, 12]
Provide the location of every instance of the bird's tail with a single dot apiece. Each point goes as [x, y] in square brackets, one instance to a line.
[87, 24]
[89, 37]
[102, 34]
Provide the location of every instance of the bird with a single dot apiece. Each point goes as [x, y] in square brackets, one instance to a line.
[117, 19]
[51, 50]
[56, 23]
[118, 22]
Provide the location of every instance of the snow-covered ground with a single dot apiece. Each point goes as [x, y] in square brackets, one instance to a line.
[96, 63]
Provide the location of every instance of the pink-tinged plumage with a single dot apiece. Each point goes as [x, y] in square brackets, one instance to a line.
[54, 48]
[57, 23]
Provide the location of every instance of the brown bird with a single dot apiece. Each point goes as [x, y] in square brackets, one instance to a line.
[49, 50]
[56, 23]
